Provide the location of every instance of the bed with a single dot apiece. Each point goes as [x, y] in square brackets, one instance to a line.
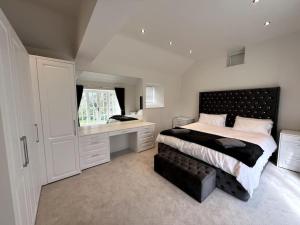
[233, 177]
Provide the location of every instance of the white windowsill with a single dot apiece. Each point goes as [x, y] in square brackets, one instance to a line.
[154, 106]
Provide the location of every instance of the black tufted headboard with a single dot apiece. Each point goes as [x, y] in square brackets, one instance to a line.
[261, 103]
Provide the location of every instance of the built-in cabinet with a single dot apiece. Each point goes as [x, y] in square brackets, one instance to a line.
[94, 150]
[56, 106]
[95, 143]
[18, 127]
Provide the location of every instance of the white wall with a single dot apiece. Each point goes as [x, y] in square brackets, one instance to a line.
[272, 63]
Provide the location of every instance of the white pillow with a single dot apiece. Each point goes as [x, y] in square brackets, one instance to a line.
[213, 119]
[253, 125]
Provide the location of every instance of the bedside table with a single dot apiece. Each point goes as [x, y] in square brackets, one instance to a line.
[289, 150]
[181, 121]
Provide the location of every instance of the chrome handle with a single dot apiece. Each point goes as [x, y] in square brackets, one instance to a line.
[26, 148]
[37, 133]
[74, 123]
[23, 140]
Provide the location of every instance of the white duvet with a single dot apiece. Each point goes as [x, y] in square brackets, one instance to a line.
[247, 176]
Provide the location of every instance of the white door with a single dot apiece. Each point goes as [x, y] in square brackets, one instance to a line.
[58, 106]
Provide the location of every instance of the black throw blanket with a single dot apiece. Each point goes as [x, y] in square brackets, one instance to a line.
[247, 155]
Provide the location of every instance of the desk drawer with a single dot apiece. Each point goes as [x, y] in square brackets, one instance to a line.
[94, 159]
[124, 131]
[86, 149]
[146, 134]
[147, 129]
[146, 139]
[93, 139]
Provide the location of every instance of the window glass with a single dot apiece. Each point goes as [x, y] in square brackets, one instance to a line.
[97, 106]
[150, 95]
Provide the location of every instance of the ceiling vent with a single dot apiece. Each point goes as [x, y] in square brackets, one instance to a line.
[236, 57]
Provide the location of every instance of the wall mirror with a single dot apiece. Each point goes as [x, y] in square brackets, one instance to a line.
[105, 99]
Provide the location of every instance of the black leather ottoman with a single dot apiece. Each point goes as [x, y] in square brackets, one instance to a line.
[193, 177]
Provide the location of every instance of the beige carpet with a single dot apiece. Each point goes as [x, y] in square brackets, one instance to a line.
[127, 191]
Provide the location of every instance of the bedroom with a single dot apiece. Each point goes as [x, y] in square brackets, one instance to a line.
[187, 48]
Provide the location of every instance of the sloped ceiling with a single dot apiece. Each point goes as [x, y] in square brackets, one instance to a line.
[123, 51]
[47, 27]
[209, 27]
[112, 34]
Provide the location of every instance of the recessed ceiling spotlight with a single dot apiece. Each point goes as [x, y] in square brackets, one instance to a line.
[191, 51]
[171, 43]
[267, 23]
[143, 30]
[255, 1]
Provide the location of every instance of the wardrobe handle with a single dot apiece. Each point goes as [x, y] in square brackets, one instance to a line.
[26, 148]
[22, 139]
[37, 133]
[74, 126]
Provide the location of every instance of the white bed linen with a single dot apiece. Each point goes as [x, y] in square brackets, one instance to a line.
[247, 176]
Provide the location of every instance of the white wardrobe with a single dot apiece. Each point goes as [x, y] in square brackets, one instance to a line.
[19, 156]
[55, 110]
[38, 126]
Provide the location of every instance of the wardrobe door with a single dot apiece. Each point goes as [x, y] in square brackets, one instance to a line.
[16, 109]
[30, 131]
[24, 183]
[39, 139]
[15, 156]
[57, 96]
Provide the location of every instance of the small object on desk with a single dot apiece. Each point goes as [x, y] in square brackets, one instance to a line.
[289, 150]
[230, 143]
[181, 121]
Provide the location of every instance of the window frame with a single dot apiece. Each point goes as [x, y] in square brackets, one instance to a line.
[158, 96]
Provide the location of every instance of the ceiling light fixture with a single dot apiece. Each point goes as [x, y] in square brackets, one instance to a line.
[171, 43]
[191, 51]
[267, 23]
[143, 30]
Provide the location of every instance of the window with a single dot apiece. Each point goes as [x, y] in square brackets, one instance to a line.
[97, 106]
[150, 95]
[154, 96]
[236, 57]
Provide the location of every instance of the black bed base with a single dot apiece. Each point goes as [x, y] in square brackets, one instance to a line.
[224, 181]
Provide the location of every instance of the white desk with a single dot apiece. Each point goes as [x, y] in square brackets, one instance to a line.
[95, 146]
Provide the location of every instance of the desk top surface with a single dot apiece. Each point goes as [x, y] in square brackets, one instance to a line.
[90, 130]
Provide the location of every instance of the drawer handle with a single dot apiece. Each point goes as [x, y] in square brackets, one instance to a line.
[95, 155]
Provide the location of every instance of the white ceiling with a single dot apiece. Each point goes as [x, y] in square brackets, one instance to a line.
[211, 27]
[113, 34]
